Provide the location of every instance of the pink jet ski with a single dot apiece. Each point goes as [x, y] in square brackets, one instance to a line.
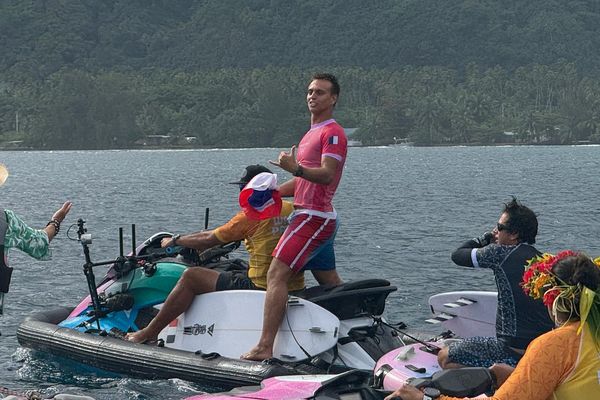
[357, 385]
[417, 364]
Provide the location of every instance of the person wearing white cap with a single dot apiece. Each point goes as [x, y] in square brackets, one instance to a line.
[260, 223]
[14, 233]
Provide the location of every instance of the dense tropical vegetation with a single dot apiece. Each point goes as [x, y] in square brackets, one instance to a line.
[111, 74]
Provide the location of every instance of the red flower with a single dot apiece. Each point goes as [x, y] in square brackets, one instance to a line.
[536, 280]
[550, 296]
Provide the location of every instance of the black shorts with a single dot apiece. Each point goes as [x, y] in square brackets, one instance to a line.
[234, 280]
[482, 352]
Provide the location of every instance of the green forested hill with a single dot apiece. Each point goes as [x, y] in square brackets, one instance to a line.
[94, 74]
[42, 36]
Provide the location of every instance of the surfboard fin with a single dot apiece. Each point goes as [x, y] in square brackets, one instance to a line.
[461, 302]
[438, 319]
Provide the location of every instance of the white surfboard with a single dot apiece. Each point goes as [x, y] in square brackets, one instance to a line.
[230, 323]
[466, 313]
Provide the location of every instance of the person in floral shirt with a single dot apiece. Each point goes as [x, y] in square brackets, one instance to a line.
[15, 233]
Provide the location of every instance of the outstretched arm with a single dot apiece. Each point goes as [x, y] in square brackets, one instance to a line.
[198, 240]
[57, 218]
[237, 228]
[34, 242]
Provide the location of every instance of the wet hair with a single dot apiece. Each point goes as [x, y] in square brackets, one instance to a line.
[521, 220]
[335, 86]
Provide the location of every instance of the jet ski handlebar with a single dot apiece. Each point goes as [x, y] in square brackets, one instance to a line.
[356, 385]
[85, 239]
[462, 382]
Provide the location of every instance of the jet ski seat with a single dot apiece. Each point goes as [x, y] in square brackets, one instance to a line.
[352, 299]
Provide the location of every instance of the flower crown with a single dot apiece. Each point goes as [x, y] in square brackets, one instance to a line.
[540, 283]
[538, 280]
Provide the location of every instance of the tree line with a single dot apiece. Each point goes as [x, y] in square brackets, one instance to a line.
[108, 74]
[74, 109]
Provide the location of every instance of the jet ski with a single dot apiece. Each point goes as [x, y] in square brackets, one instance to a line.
[325, 330]
[357, 385]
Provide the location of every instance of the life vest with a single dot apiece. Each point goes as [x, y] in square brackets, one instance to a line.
[5, 270]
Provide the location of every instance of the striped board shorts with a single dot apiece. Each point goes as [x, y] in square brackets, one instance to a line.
[307, 243]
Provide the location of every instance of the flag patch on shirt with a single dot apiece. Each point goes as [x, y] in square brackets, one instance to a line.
[333, 140]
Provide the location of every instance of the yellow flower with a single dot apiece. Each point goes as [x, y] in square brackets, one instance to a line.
[539, 284]
[547, 257]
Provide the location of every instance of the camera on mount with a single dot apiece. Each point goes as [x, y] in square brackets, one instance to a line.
[82, 236]
[86, 238]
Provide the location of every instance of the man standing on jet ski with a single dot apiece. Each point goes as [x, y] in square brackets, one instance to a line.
[519, 318]
[260, 237]
[317, 170]
[16, 233]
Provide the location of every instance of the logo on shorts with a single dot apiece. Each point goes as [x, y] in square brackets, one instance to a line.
[198, 329]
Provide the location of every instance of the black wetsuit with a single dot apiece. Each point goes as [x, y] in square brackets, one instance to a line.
[519, 318]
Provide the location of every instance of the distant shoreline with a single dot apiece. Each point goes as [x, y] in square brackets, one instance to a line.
[391, 145]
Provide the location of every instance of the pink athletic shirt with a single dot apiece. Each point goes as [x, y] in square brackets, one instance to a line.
[326, 139]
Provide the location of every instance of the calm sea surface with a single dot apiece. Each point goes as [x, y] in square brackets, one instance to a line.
[403, 211]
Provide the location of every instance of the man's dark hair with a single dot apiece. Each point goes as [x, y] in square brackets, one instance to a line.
[521, 220]
[250, 172]
[335, 86]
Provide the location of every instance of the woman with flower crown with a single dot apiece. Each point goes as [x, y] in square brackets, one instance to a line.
[563, 364]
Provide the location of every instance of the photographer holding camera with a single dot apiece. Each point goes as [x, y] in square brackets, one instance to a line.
[519, 318]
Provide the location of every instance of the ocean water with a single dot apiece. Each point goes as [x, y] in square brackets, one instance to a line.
[403, 211]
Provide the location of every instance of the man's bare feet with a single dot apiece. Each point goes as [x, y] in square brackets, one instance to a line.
[257, 354]
[140, 337]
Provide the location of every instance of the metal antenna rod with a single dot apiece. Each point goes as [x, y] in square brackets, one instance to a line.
[121, 242]
[133, 239]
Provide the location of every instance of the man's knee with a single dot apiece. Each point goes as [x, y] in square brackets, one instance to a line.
[199, 280]
[188, 276]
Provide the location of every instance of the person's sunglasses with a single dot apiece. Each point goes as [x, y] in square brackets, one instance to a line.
[501, 227]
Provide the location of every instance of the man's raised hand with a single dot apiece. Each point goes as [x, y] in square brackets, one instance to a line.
[287, 160]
